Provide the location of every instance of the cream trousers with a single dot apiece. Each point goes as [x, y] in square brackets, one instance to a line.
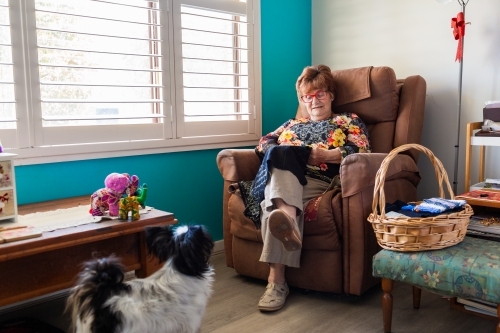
[283, 184]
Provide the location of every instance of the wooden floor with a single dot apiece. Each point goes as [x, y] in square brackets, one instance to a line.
[233, 308]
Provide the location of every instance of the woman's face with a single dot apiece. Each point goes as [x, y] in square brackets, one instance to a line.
[318, 103]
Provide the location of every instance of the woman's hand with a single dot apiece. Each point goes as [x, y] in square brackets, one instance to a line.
[319, 155]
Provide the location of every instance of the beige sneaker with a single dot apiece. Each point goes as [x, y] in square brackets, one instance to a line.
[274, 297]
[284, 228]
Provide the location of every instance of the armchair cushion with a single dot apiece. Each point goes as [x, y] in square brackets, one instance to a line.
[352, 85]
[383, 102]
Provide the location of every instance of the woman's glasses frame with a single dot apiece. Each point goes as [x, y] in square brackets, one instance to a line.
[320, 95]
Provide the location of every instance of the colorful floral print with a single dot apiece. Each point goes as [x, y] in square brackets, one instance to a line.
[346, 130]
[470, 269]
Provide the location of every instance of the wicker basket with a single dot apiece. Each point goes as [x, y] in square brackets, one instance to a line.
[408, 234]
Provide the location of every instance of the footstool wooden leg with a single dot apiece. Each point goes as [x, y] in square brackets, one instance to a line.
[417, 292]
[387, 304]
[498, 315]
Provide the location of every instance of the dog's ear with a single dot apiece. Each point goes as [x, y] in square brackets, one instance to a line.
[204, 239]
[158, 241]
[193, 250]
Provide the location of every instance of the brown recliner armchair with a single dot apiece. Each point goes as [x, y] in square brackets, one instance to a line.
[339, 244]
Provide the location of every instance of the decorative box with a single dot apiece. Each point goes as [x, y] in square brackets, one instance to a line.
[491, 114]
[8, 200]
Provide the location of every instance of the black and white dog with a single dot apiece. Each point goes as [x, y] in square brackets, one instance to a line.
[171, 300]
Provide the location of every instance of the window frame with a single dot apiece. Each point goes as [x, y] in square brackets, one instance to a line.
[29, 119]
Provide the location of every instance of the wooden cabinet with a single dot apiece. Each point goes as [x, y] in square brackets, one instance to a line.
[481, 142]
[8, 199]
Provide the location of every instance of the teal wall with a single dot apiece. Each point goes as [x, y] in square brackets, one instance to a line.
[175, 183]
[286, 50]
[189, 183]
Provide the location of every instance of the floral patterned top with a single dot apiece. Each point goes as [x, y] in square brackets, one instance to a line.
[346, 131]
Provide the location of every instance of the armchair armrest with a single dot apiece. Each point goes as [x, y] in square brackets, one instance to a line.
[234, 165]
[238, 164]
[358, 171]
[357, 174]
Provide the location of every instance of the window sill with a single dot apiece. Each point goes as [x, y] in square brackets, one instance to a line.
[54, 154]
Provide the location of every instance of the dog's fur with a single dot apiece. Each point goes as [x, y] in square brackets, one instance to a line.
[171, 300]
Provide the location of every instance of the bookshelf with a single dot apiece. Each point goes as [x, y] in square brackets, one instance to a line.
[482, 142]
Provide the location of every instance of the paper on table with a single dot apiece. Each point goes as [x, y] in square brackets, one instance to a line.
[65, 218]
[59, 218]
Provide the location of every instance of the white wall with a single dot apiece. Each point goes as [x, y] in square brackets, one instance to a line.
[415, 37]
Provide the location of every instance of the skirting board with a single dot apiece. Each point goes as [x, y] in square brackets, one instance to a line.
[218, 249]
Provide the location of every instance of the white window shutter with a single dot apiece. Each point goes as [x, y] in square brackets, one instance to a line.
[100, 67]
[8, 107]
[215, 90]
[96, 78]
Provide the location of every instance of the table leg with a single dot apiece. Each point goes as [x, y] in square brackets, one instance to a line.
[149, 264]
[417, 292]
[387, 286]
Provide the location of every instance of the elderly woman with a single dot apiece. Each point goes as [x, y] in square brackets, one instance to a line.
[327, 138]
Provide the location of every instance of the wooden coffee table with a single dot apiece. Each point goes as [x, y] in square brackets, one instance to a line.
[42, 265]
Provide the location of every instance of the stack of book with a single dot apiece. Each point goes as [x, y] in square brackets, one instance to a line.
[480, 306]
[487, 132]
[488, 184]
[485, 226]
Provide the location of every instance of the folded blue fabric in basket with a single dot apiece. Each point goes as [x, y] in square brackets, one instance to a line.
[435, 205]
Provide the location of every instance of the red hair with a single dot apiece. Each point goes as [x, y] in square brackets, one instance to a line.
[315, 77]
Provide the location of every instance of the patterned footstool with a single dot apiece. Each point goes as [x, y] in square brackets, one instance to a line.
[470, 269]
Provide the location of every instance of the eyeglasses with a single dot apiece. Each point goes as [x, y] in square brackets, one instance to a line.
[321, 95]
